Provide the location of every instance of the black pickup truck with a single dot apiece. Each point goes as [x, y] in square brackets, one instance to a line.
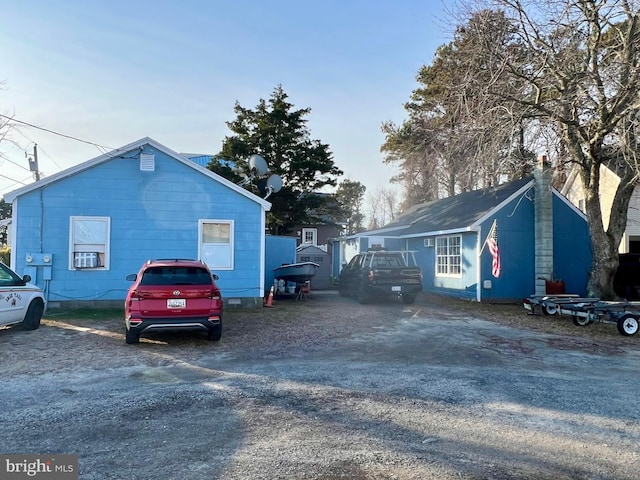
[379, 273]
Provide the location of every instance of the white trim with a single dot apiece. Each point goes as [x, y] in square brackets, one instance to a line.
[314, 232]
[107, 243]
[492, 213]
[140, 145]
[569, 204]
[13, 235]
[448, 275]
[263, 253]
[478, 267]
[232, 245]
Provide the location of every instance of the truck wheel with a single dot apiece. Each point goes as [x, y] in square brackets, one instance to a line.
[628, 325]
[363, 295]
[34, 314]
[408, 299]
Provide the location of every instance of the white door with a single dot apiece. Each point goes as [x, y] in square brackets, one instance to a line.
[13, 297]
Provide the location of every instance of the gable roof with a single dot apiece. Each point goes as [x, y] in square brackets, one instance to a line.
[139, 144]
[460, 212]
[310, 250]
[204, 159]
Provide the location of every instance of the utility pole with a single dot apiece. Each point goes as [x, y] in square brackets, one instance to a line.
[33, 163]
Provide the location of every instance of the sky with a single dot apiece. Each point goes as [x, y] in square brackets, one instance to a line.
[108, 73]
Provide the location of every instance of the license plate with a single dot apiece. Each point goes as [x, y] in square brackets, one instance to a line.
[527, 306]
[176, 303]
[396, 289]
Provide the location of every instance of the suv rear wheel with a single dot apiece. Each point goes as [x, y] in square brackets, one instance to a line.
[215, 333]
[131, 337]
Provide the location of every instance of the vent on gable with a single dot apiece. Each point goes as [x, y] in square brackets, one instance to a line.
[147, 162]
[430, 242]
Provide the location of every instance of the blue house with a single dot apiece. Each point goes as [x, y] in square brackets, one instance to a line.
[78, 233]
[541, 238]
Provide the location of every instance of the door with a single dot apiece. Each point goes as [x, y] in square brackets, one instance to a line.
[13, 296]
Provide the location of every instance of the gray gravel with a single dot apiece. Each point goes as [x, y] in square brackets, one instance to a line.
[327, 389]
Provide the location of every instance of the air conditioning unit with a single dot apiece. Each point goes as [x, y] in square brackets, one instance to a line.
[86, 260]
[430, 242]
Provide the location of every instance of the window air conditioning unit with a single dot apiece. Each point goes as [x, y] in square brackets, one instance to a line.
[430, 242]
[85, 260]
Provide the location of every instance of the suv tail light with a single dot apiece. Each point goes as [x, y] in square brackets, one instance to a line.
[134, 322]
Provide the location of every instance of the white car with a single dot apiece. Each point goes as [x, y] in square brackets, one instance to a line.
[20, 301]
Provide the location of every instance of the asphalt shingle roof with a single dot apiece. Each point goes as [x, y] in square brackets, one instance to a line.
[457, 212]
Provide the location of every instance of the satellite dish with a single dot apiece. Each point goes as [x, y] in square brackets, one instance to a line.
[274, 183]
[258, 165]
[270, 185]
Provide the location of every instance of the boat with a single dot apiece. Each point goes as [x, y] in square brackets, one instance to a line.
[295, 272]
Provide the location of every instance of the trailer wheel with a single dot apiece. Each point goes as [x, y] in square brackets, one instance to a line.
[579, 321]
[549, 309]
[628, 324]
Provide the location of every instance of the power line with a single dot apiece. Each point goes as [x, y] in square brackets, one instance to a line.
[40, 147]
[98, 146]
[12, 179]
[11, 161]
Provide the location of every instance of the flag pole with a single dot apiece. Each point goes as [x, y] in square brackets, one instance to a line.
[493, 227]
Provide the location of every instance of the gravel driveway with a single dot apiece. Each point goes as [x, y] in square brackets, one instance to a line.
[330, 389]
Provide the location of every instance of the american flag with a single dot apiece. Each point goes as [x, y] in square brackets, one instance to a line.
[492, 242]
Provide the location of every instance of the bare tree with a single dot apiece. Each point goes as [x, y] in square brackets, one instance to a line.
[6, 125]
[457, 138]
[579, 64]
[383, 206]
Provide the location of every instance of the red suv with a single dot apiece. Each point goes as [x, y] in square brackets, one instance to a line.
[173, 295]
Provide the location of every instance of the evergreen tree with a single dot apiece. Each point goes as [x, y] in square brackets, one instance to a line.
[350, 196]
[278, 133]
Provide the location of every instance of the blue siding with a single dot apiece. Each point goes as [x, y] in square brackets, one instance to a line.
[571, 248]
[153, 215]
[516, 239]
[464, 285]
[278, 250]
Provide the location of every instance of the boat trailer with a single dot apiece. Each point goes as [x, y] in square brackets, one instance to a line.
[586, 310]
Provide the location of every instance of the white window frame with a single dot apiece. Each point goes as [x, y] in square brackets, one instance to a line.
[449, 256]
[225, 251]
[99, 245]
[314, 236]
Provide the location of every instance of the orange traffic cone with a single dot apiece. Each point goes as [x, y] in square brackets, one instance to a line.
[269, 300]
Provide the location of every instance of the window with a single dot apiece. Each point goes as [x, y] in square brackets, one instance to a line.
[448, 256]
[89, 243]
[310, 236]
[216, 243]
[176, 276]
